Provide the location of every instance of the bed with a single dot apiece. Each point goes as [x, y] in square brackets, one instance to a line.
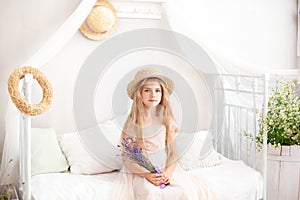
[63, 168]
[244, 183]
[82, 176]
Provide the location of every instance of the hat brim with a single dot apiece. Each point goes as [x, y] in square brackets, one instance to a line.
[132, 85]
[86, 31]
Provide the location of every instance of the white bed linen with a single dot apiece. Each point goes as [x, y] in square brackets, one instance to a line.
[233, 180]
[66, 186]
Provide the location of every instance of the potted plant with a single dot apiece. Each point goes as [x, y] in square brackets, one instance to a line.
[8, 192]
[4, 196]
[283, 116]
[283, 138]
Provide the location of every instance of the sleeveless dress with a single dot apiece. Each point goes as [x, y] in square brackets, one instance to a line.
[129, 186]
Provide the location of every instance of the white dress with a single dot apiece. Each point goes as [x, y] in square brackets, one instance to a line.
[129, 186]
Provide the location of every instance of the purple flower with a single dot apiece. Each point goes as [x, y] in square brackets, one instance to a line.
[130, 150]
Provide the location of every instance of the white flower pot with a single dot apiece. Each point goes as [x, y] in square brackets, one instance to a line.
[283, 173]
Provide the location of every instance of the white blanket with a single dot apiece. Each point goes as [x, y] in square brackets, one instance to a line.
[232, 180]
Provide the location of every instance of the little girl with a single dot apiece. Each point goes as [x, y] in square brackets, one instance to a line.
[152, 126]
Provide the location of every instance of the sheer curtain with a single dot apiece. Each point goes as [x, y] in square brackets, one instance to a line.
[9, 171]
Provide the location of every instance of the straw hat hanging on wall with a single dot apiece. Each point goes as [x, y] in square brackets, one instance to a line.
[101, 22]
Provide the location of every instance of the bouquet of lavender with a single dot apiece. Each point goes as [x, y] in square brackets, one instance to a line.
[135, 154]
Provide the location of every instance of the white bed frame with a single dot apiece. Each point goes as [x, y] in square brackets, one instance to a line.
[25, 145]
[228, 139]
[238, 118]
[232, 117]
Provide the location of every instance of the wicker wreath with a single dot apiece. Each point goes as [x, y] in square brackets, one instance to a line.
[21, 103]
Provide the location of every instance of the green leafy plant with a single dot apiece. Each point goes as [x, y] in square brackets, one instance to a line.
[283, 116]
[4, 196]
[8, 192]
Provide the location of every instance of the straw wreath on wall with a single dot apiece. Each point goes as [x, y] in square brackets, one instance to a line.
[21, 103]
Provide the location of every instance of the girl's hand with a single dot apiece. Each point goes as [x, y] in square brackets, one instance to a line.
[155, 179]
[166, 178]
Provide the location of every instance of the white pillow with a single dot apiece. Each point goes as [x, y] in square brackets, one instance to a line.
[79, 158]
[196, 150]
[46, 155]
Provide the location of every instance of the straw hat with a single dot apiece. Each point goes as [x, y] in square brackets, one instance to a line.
[149, 72]
[101, 22]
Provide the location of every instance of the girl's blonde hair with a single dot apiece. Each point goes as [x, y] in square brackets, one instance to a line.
[136, 119]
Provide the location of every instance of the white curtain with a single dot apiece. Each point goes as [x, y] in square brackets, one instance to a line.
[9, 173]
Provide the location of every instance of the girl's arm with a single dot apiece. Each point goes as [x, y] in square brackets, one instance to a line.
[130, 166]
[172, 154]
[155, 179]
[133, 167]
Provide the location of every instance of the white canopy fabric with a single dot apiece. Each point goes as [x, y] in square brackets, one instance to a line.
[9, 173]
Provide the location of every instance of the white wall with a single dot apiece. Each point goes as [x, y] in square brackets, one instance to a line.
[245, 35]
[251, 35]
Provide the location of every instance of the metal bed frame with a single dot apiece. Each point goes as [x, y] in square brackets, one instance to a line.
[245, 98]
[229, 121]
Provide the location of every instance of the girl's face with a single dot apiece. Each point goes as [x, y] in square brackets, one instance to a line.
[151, 93]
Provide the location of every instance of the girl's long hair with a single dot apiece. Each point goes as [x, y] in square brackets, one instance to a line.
[136, 119]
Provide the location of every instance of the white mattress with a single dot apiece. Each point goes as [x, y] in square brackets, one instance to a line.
[232, 180]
